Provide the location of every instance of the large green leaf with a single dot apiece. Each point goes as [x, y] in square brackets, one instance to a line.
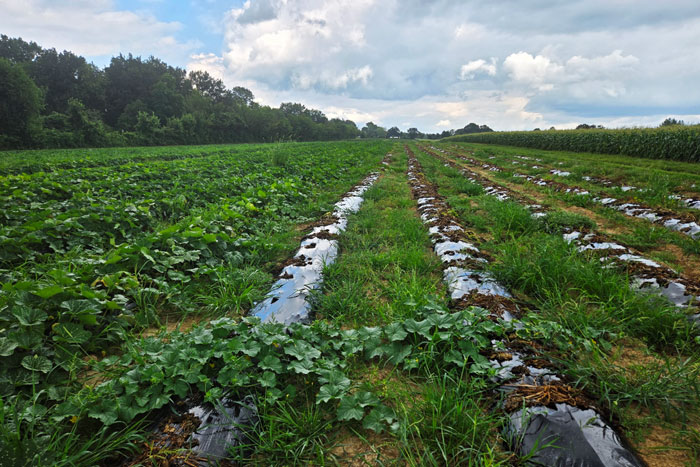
[7, 347]
[349, 409]
[37, 363]
[29, 316]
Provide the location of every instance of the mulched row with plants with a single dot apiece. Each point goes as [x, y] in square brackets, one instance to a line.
[633, 353]
[550, 422]
[661, 190]
[682, 291]
[684, 222]
[208, 426]
[63, 313]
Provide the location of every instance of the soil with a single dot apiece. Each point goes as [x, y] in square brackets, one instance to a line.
[661, 445]
[176, 322]
[375, 449]
[323, 235]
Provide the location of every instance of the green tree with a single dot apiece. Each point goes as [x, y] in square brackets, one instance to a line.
[208, 86]
[671, 122]
[164, 99]
[371, 130]
[148, 127]
[20, 106]
[413, 133]
[87, 126]
[17, 50]
[64, 76]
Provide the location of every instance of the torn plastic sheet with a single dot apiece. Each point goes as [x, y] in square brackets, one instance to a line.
[601, 246]
[639, 259]
[561, 173]
[506, 372]
[223, 426]
[675, 292]
[568, 436]
[461, 282]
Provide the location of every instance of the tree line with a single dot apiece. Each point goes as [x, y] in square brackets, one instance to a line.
[51, 99]
[59, 100]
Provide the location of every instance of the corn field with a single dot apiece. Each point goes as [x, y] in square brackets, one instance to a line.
[680, 143]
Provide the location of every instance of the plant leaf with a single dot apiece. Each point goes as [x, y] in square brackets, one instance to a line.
[349, 409]
[37, 363]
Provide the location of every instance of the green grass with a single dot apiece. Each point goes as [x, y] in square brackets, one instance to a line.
[586, 311]
[624, 169]
[385, 268]
[577, 291]
[449, 425]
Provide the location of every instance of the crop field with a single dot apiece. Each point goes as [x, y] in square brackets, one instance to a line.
[348, 303]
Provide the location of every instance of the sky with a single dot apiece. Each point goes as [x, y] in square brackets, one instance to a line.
[434, 65]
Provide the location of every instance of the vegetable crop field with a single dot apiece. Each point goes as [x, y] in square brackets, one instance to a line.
[348, 303]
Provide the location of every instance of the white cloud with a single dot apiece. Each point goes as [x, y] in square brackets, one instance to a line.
[538, 71]
[333, 81]
[92, 28]
[579, 77]
[211, 63]
[471, 69]
[444, 124]
[510, 65]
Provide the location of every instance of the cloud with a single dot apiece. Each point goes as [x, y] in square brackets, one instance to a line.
[211, 63]
[93, 28]
[333, 81]
[537, 71]
[510, 65]
[444, 124]
[471, 69]
[434, 53]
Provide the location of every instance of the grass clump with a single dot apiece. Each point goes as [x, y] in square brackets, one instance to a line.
[559, 221]
[386, 268]
[449, 425]
[580, 292]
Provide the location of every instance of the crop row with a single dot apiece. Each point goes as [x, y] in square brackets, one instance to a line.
[73, 283]
[675, 143]
[676, 191]
[682, 291]
[563, 418]
[685, 223]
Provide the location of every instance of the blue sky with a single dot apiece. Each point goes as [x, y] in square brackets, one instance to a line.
[200, 19]
[435, 65]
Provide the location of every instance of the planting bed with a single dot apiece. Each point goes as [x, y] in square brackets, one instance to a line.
[684, 223]
[681, 291]
[572, 169]
[543, 411]
[285, 305]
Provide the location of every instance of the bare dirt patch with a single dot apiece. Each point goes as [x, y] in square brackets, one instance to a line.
[375, 449]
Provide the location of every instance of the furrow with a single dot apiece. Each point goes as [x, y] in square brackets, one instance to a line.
[683, 223]
[648, 275]
[224, 425]
[542, 409]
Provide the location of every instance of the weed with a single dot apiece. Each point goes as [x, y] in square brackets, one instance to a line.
[449, 426]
